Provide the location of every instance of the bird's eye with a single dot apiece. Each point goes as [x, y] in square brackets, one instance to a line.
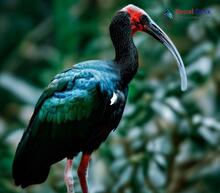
[136, 23]
[144, 20]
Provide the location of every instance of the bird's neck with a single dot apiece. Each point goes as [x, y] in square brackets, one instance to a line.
[126, 52]
[126, 56]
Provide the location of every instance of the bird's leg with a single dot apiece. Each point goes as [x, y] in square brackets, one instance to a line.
[82, 171]
[68, 176]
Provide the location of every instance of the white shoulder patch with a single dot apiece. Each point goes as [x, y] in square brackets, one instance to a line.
[113, 99]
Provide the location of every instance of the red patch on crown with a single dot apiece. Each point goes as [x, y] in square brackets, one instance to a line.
[135, 14]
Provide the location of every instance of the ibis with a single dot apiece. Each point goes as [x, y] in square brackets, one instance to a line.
[84, 104]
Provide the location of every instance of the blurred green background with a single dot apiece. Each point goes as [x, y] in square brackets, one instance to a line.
[168, 140]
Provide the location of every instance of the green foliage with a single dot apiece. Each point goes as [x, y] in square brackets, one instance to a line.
[168, 141]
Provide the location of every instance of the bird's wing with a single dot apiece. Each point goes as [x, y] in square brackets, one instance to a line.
[70, 96]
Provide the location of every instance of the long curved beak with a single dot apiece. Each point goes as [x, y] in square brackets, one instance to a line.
[154, 30]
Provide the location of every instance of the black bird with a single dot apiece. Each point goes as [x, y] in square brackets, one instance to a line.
[83, 104]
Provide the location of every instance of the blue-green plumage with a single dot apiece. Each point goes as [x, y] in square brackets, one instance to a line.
[82, 105]
[73, 114]
[77, 111]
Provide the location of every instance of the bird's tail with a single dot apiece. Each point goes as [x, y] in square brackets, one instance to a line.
[31, 163]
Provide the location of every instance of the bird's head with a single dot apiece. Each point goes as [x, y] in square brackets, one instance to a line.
[141, 21]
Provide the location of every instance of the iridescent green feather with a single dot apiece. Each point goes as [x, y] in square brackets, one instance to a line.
[73, 99]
